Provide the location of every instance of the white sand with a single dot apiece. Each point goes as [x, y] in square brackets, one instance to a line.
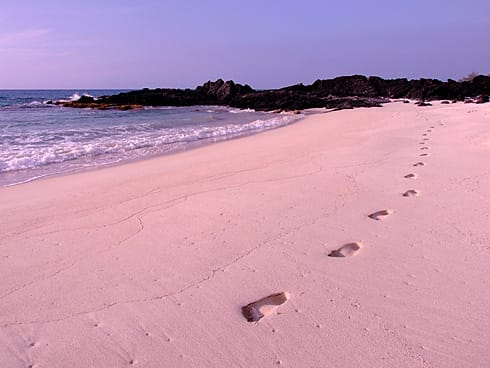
[148, 264]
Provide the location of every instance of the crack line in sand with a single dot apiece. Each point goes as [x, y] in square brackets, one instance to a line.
[158, 297]
[182, 197]
[57, 272]
[186, 287]
[91, 211]
[150, 209]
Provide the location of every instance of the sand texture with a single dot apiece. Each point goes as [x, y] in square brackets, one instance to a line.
[149, 264]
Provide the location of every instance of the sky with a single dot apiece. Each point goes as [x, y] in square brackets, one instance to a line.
[266, 44]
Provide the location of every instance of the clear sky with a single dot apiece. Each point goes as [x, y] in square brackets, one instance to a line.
[265, 43]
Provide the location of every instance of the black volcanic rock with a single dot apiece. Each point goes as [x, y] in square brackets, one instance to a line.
[481, 99]
[86, 99]
[356, 85]
[338, 93]
[223, 91]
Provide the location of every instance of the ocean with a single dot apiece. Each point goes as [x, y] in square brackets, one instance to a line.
[38, 139]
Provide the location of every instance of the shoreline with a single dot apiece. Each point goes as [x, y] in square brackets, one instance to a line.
[191, 145]
[151, 263]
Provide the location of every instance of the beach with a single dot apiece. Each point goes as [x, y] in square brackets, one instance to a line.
[149, 263]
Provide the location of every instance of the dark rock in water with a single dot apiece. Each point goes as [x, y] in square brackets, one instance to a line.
[445, 102]
[423, 103]
[339, 93]
[100, 106]
[406, 101]
[481, 99]
[85, 99]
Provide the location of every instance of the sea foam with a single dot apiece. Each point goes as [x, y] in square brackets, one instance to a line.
[40, 142]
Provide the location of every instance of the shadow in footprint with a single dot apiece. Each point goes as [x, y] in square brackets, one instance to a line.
[410, 176]
[424, 154]
[264, 307]
[418, 164]
[424, 148]
[379, 215]
[411, 193]
[347, 250]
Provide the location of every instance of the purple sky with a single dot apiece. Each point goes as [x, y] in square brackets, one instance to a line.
[149, 43]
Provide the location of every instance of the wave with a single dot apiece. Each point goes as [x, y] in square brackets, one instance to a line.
[42, 150]
[74, 97]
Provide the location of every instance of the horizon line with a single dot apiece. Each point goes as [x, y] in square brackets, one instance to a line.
[470, 75]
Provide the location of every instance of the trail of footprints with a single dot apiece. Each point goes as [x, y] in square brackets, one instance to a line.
[255, 311]
[425, 139]
[268, 305]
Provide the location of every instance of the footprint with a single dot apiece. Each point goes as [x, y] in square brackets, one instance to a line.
[424, 154]
[264, 307]
[418, 164]
[410, 176]
[426, 139]
[424, 148]
[411, 193]
[432, 127]
[378, 215]
[425, 134]
[346, 250]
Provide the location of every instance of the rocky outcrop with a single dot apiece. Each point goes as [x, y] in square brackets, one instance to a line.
[338, 93]
[482, 99]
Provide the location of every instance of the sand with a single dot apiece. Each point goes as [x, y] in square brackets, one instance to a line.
[149, 264]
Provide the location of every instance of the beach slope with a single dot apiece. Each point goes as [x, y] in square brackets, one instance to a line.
[355, 238]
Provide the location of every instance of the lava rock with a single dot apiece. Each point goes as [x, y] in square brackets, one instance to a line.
[481, 99]
[339, 93]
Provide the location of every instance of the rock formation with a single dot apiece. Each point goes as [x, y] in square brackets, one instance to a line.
[338, 93]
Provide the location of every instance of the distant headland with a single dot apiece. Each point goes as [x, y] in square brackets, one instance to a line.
[338, 93]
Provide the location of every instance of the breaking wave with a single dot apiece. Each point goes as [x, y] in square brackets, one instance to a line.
[62, 140]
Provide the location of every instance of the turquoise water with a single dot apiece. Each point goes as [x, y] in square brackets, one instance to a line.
[39, 139]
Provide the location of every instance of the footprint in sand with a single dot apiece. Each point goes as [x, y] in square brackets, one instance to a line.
[411, 193]
[418, 164]
[424, 148]
[379, 215]
[425, 135]
[410, 176]
[347, 250]
[432, 127]
[426, 139]
[424, 154]
[264, 307]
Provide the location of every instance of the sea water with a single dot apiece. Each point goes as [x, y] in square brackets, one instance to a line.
[39, 139]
